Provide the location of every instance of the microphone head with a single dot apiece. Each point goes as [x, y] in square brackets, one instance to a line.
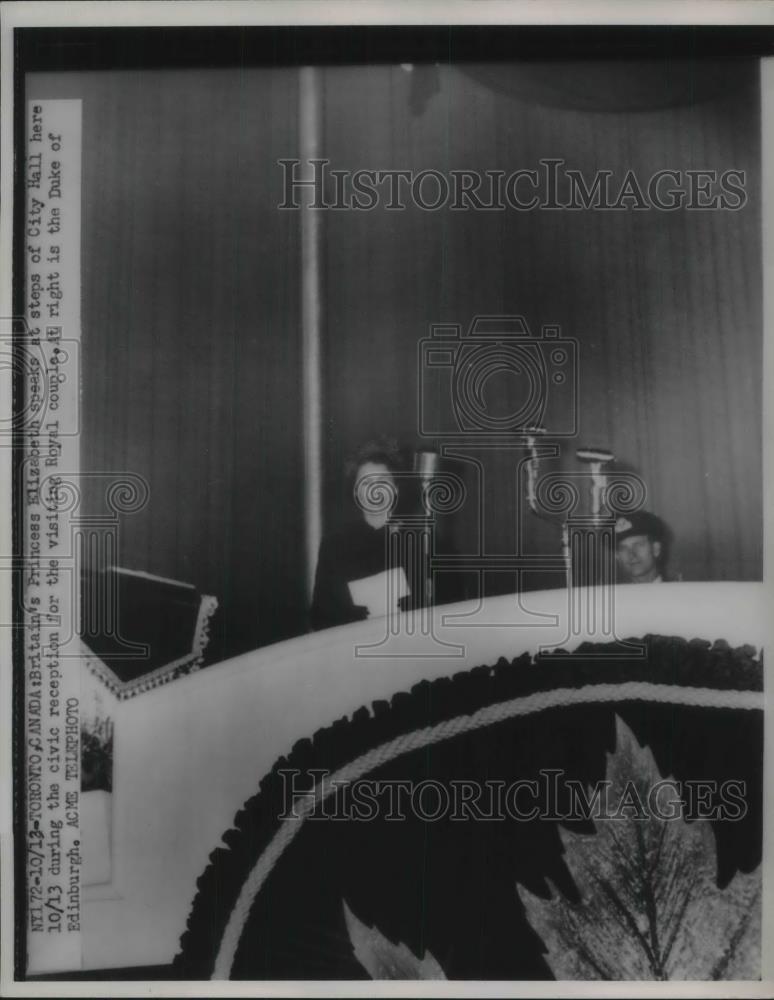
[426, 463]
[594, 455]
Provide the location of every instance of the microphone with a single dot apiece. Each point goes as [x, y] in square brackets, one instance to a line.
[596, 457]
[426, 464]
[533, 433]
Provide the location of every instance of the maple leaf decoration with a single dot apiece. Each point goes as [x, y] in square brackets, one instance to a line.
[649, 904]
[384, 960]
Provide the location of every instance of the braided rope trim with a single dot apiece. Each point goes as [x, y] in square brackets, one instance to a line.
[189, 663]
[421, 738]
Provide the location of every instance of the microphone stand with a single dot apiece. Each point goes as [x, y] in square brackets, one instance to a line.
[426, 464]
[597, 459]
[533, 464]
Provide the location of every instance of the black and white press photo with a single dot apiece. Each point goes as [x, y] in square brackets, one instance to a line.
[387, 564]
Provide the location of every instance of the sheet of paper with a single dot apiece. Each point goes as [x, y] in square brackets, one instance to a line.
[381, 592]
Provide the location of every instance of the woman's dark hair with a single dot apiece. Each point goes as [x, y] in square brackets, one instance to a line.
[382, 451]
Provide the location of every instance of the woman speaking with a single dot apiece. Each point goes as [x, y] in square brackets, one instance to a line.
[353, 579]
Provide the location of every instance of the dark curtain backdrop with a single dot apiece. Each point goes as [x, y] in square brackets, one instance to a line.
[191, 319]
[191, 349]
[666, 306]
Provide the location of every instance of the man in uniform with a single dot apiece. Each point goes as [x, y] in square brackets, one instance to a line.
[641, 544]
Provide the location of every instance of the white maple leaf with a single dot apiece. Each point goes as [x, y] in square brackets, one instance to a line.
[384, 960]
[650, 907]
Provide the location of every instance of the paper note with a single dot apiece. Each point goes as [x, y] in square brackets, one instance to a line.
[380, 593]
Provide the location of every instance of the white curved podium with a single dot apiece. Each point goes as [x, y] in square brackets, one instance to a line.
[188, 754]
